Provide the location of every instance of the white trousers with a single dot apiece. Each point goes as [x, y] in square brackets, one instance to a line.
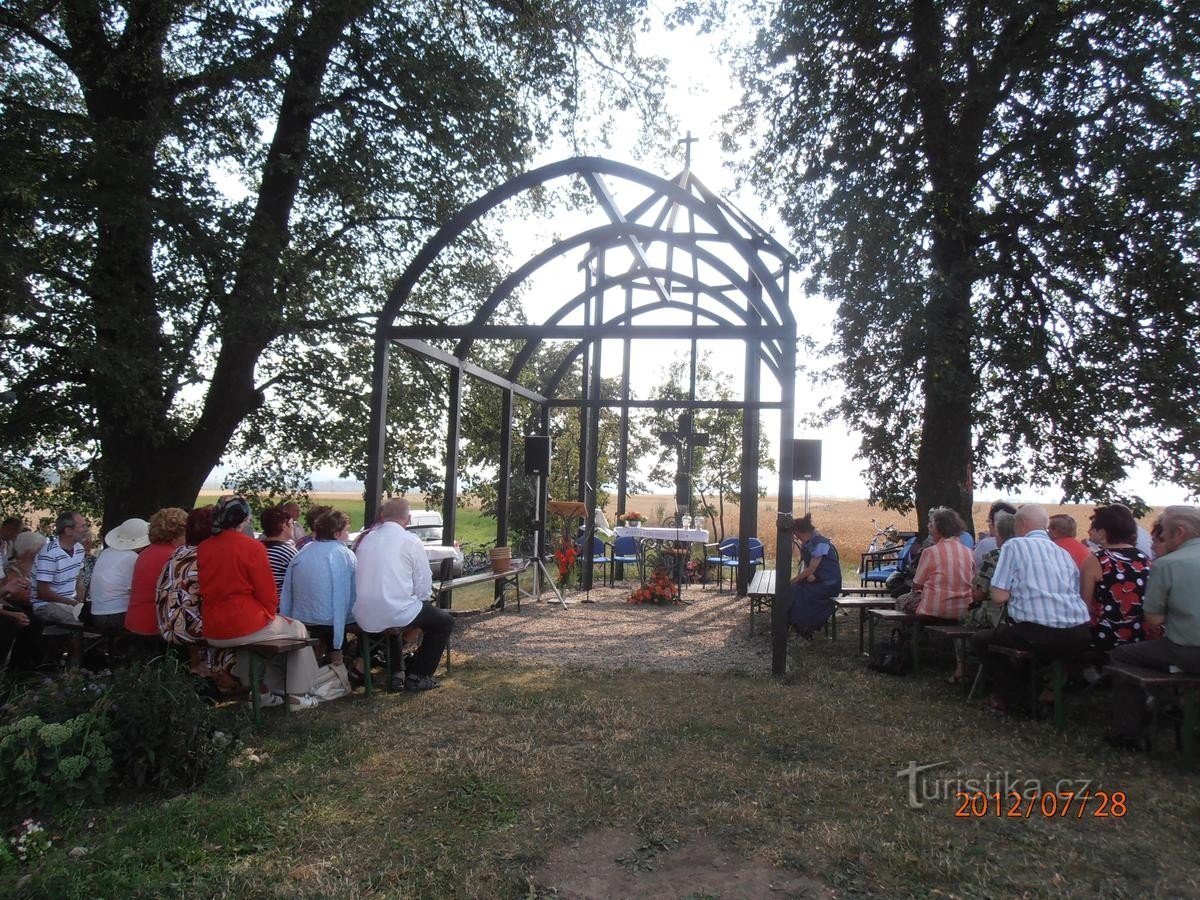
[300, 665]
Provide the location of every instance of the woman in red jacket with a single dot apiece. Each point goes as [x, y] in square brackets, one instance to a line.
[167, 528]
[241, 605]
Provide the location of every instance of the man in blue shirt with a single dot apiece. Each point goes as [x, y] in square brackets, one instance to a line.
[1045, 614]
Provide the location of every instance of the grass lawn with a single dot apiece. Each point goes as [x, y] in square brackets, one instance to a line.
[468, 790]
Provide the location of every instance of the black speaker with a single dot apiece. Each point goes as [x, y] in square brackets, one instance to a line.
[806, 460]
[537, 454]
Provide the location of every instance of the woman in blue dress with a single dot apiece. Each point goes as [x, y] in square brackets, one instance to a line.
[818, 581]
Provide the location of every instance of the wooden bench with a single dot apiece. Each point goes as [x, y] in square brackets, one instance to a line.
[902, 620]
[862, 604]
[1184, 685]
[958, 635]
[445, 589]
[260, 655]
[761, 591]
[1057, 666]
[368, 641]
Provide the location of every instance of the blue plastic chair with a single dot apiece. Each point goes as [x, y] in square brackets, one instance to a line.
[726, 550]
[599, 552]
[730, 561]
[880, 573]
[626, 551]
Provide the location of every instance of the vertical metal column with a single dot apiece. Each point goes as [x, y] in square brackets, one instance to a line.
[585, 356]
[377, 434]
[453, 432]
[504, 480]
[783, 551]
[748, 509]
[623, 452]
[591, 443]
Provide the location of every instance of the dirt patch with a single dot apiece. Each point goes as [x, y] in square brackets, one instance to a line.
[615, 864]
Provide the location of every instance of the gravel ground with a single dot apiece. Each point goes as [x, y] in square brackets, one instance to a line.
[710, 633]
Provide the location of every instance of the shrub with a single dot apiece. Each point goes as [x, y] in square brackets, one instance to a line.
[50, 764]
[70, 738]
[159, 729]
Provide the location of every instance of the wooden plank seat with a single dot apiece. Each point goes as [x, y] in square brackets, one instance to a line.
[897, 619]
[443, 590]
[261, 654]
[862, 604]
[1057, 667]
[958, 635]
[77, 635]
[761, 591]
[368, 642]
[1183, 685]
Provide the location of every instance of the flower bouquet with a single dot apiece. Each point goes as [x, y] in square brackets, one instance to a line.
[632, 519]
[565, 557]
[659, 590]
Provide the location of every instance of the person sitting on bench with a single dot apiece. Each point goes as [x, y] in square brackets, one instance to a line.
[1172, 600]
[241, 606]
[1039, 582]
[818, 581]
[942, 584]
[983, 611]
[393, 583]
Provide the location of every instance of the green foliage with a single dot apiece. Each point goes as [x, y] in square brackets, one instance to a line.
[71, 738]
[50, 765]
[204, 205]
[1002, 199]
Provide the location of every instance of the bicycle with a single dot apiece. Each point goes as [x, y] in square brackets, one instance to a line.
[885, 538]
[478, 558]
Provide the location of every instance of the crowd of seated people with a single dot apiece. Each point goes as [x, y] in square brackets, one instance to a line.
[1034, 586]
[202, 581]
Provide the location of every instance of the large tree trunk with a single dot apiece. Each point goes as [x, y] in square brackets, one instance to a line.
[144, 464]
[944, 458]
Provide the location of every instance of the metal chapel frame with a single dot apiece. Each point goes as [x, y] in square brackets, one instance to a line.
[715, 276]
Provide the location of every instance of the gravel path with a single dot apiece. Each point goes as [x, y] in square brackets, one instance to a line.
[709, 634]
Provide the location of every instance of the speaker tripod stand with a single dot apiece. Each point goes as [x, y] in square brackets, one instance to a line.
[540, 572]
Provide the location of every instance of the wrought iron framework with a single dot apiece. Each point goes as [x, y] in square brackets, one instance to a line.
[686, 260]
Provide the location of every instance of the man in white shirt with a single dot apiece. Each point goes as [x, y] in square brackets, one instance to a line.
[56, 571]
[393, 584]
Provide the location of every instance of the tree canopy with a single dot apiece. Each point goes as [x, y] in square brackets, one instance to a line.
[1004, 200]
[203, 201]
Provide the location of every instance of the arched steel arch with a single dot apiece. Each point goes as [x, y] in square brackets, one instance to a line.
[763, 321]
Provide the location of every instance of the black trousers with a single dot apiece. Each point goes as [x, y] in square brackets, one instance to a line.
[1006, 676]
[437, 624]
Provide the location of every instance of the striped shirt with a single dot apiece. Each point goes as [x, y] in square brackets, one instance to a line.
[58, 568]
[280, 554]
[1042, 581]
[944, 579]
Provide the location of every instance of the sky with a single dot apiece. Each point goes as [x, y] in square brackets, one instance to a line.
[701, 90]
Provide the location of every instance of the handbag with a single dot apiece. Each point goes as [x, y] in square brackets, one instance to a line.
[332, 682]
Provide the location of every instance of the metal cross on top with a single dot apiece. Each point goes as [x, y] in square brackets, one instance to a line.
[687, 149]
[685, 441]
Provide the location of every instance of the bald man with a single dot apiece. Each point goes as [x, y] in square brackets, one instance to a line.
[1039, 584]
[393, 584]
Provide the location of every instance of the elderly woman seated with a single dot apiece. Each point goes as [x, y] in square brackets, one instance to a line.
[319, 586]
[241, 606]
[167, 531]
[942, 584]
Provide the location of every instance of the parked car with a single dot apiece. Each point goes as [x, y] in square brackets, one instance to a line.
[426, 524]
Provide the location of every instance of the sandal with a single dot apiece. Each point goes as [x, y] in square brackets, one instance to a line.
[956, 679]
[304, 701]
[998, 706]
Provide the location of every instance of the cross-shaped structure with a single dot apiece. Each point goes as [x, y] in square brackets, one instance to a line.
[685, 440]
[687, 149]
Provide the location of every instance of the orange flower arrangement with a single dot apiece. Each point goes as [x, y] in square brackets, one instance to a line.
[631, 518]
[659, 590]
